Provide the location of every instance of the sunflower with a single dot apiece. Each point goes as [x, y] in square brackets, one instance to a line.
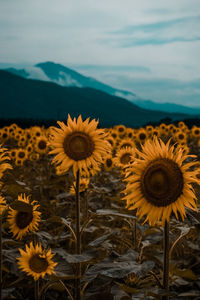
[141, 135]
[4, 165]
[36, 261]
[83, 185]
[2, 205]
[195, 131]
[124, 157]
[22, 222]
[41, 144]
[130, 133]
[13, 153]
[181, 136]
[126, 142]
[22, 154]
[79, 145]
[108, 163]
[159, 182]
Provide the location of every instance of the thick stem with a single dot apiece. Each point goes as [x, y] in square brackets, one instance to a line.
[78, 237]
[37, 289]
[0, 257]
[166, 260]
[86, 204]
[135, 234]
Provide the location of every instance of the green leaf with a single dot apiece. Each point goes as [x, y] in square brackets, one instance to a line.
[187, 273]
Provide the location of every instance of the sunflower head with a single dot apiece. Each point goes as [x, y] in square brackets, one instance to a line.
[124, 157]
[4, 157]
[160, 181]
[83, 185]
[79, 144]
[108, 163]
[22, 220]
[36, 261]
[41, 144]
[2, 205]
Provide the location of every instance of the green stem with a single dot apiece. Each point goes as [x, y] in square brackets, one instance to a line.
[1, 257]
[135, 234]
[37, 289]
[78, 238]
[166, 260]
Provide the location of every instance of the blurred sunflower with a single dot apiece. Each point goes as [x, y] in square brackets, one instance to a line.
[195, 131]
[180, 136]
[79, 145]
[130, 133]
[41, 144]
[141, 135]
[160, 181]
[2, 205]
[124, 157]
[108, 163]
[83, 185]
[22, 222]
[36, 262]
[4, 165]
[126, 142]
[13, 153]
[21, 154]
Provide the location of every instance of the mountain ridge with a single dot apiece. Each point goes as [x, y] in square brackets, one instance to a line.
[62, 75]
[29, 98]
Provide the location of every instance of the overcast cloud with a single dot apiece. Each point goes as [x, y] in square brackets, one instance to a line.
[126, 43]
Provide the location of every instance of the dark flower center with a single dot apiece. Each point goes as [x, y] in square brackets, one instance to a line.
[142, 136]
[181, 136]
[78, 145]
[38, 264]
[42, 145]
[21, 154]
[125, 158]
[23, 219]
[109, 162]
[162, 182]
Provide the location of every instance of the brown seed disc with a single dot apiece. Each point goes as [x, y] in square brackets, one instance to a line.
[23, 219]
[21, 154]
[181, 136]
[42, 145]
[78, 145]
[38, 264]
[109, 162]
[162, 182]
[125, 158]
[142, 136]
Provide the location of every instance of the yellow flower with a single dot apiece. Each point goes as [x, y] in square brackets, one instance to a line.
[108, 163]
[41, 144]
[126, 142]
[124, 157]
[83, 185]
[4, 156]
[36, 262]
[159, 182]
[22, 222]
[79, 145]
[2, 205]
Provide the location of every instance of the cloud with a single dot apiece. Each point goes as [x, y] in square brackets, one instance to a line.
[158, 33]
[159, 90]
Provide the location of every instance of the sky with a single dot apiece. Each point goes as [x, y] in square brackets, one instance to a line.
[149, 47]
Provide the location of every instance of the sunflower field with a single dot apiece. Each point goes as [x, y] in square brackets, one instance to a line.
[92, 213]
